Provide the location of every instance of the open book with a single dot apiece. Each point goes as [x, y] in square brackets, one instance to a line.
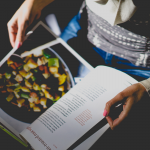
[51, 97]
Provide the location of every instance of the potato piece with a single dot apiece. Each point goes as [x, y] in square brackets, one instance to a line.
[17, 88]
[44, 60]
[32, 64]
[7, 75]
[37, 102]
[41, 93]
[36, 109]
[43, 86]
[10, 90]
[25, 89]
[46, 76]
[31, 100]
[63, 93]
[33, 95]
[23, 73]
[53, 70]
[18, 78]
[47, 94]
[35, 99]
[56, 75]
[39, 62]
[20, 102]
[61, 88]
[10, 97]
[62, 79]
[36, 87]
[29, 74]
[16, 94]
[38, 53]
[9, 61]
[26, 68]
[31, 105]
[26, 59]
[14, 73]
[43, 102]
[28, 84]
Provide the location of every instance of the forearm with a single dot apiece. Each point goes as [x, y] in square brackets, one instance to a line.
[146, 84]
[40, 4]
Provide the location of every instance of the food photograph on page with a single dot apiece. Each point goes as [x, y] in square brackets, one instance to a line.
[30, 85]
[35, 82]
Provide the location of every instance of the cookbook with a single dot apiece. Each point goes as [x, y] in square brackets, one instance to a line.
[51, 96]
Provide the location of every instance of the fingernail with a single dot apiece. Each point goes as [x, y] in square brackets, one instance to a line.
[105, 113]
[18, 44]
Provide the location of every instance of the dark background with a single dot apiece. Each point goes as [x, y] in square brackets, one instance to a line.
[133, 133]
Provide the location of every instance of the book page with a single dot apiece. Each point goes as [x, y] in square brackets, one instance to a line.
[77, 111]
[15, 118]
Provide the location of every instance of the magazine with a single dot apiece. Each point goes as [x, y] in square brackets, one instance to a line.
[51, 96]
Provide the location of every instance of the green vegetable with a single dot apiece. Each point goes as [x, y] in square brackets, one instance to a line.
[25, 95]
[20, 67]
[17, 88]
[46, 54]
[33, 78]
[35, 70]
[53, 62]
[16, 85]
[7, 75]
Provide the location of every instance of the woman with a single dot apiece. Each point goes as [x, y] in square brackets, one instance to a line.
[110, 22]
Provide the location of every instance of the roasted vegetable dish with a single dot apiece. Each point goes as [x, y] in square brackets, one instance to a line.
[32, 81]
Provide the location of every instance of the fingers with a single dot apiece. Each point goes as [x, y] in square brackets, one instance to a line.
[20, 34]
[128, 97]
[24, 16]
[123, 115]
[16, 33]
[113, 102]
[12, 31]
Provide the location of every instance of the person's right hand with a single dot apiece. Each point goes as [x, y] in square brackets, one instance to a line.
[129, 97]
[23, 18]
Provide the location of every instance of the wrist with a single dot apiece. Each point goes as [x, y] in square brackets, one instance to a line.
[146, 84]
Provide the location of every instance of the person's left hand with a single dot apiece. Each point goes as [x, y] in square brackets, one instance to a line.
[130, 96]
[29, 11]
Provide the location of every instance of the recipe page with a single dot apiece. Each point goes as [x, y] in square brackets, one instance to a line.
[77, 111]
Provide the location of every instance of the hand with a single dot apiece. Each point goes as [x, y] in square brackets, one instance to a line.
[130, 96]
[23, 18]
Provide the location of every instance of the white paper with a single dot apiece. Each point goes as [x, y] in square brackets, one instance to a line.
[77, 111]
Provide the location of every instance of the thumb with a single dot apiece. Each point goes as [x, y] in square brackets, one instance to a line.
[113, 102]
[20, 35]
